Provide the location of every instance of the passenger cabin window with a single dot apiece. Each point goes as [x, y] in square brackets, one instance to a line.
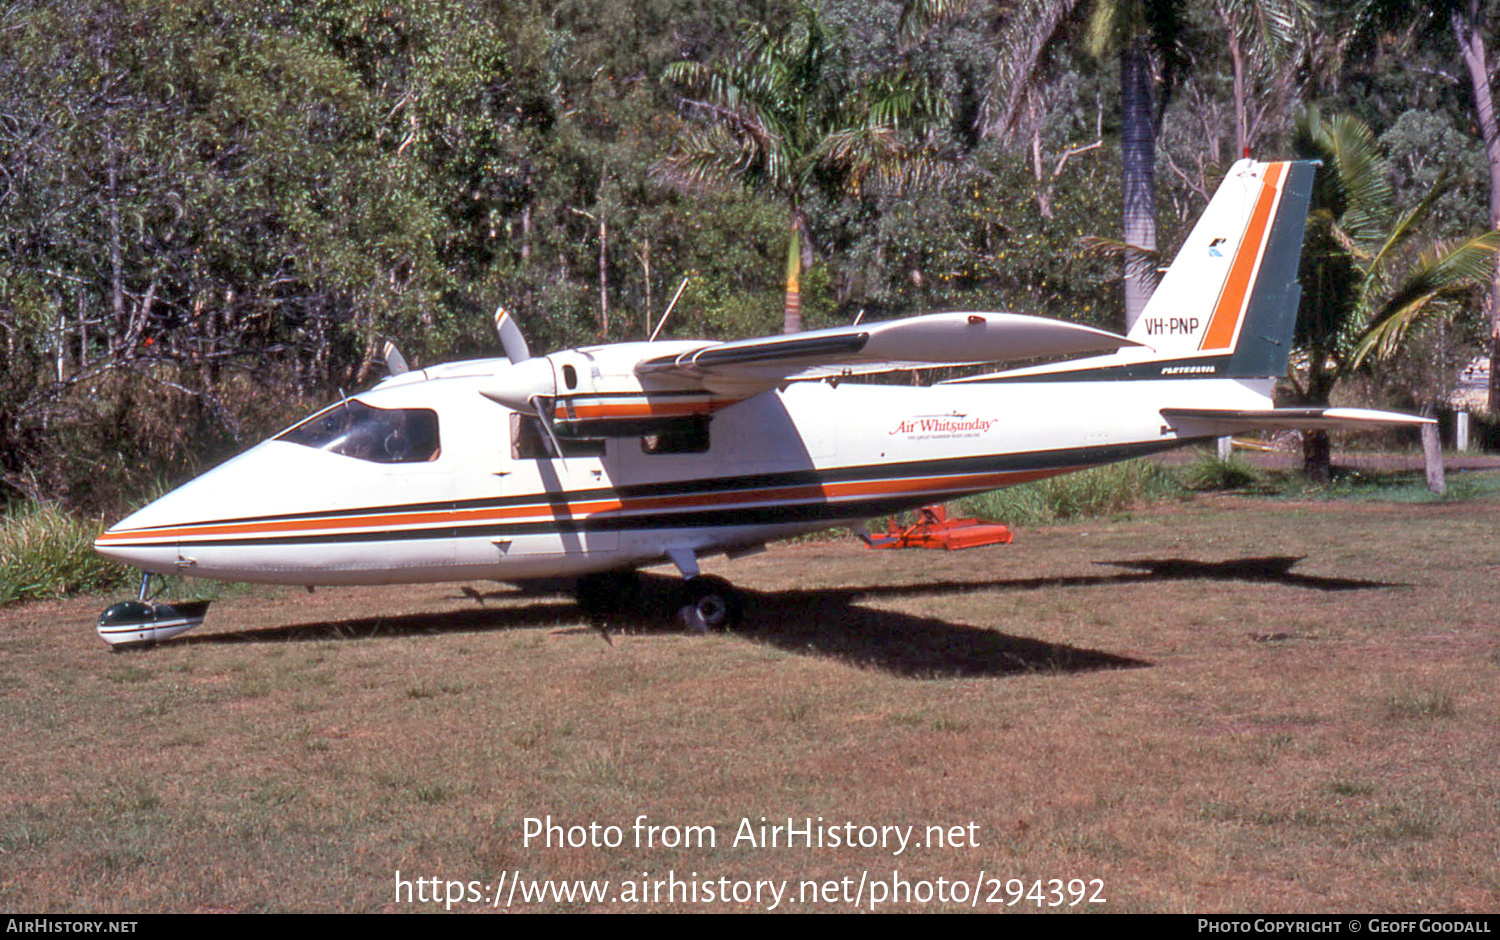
[380, 435]
[685, 436]
[529, 441]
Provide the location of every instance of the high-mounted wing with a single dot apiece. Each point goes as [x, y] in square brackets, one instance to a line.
[1191, 422]
[629, 388]
[939, 339]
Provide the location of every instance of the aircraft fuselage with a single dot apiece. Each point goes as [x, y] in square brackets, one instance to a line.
[776, 464]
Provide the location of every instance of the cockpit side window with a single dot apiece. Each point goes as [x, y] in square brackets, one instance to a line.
[380, 435]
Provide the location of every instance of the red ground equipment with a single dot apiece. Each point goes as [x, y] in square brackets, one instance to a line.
[933, 529]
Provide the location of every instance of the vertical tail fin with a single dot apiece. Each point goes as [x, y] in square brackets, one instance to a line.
[1228, 304]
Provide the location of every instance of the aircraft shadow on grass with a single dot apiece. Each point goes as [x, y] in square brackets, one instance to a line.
[828, 622]
[1276, 569]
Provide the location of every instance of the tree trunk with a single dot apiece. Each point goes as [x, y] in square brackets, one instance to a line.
[603, 277]
[1043, 192]
[116, 263]
[131, 345]
[526, 222]
[645, 256]
[1241, 122]
[1317, 456]
[1466, 28]
[792, 315]
[1138, 159]
[1317, 450]
[1432, 453]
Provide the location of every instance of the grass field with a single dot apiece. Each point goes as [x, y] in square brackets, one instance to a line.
[1221, 705]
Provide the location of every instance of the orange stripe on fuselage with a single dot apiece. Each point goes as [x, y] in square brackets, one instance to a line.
[546, 511]
[379, 520]
[567, 410]
[1232, 302]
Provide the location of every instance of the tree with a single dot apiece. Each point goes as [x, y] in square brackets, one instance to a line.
[1465, 22]
[1138, 31]
[1468, 20]
[1266, 39]
[781, 115]
[212, 211]
[1368, 275]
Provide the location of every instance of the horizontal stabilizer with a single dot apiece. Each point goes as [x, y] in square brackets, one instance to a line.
[940, 339]
[1193, 422]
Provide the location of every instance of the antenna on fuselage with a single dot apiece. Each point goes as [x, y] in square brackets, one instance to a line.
[663, 321]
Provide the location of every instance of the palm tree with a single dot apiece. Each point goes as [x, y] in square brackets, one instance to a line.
[1366, 276]
[1466, 21]
[1260, 35]
[1266, 40]
[1137, 31]
[779, 115]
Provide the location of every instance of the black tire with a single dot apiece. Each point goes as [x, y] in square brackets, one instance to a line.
[708, 603]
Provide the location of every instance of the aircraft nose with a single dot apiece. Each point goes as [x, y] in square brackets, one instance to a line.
[149, 548]
[151, 537]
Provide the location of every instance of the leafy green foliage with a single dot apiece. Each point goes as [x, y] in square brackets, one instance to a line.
[782, 114]
[1098, 492]
[1369, 275]
[210, 215]
[1210, 472]
[45, 552]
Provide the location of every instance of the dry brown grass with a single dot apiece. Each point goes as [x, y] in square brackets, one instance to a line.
[1225, 705]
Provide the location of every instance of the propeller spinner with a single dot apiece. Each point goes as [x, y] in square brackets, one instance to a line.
[529, 385]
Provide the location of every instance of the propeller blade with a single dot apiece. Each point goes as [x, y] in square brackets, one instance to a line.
[395, 363]
[511, 339]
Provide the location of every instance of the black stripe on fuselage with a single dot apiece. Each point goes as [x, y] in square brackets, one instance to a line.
[993, 463]
[643, 395]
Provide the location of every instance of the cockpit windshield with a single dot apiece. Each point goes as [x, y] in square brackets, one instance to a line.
[382, 435]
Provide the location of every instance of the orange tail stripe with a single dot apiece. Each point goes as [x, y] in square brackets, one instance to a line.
[1227, 315]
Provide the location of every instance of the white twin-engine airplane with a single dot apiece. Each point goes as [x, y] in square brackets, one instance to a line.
[592, 462]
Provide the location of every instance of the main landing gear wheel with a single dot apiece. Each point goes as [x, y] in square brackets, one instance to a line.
[708, 603]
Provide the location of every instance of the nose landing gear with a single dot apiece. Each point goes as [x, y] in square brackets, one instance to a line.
[140, 622]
